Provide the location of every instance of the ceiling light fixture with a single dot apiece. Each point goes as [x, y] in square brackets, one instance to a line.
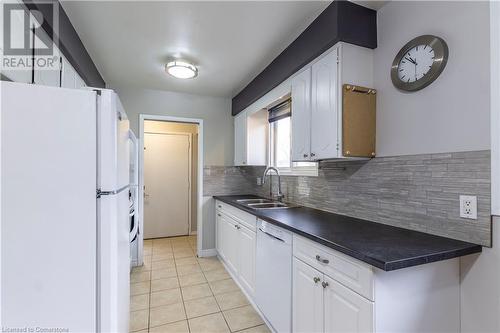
[181, 69]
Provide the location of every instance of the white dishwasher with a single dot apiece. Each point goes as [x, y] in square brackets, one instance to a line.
[273, 280]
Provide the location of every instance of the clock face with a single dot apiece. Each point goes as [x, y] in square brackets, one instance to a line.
[419, 63]
[416, 63]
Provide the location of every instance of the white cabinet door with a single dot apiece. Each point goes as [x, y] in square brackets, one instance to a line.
[45, 74]
[301, 116]
[230, 243]
[219, 226]
[346, 311]
[68, 74]
[18, 73]
[307, 298]
[324, 108]
[240, 139]
[247, 243]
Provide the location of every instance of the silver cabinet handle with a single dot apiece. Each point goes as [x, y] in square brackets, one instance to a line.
[237, 226]
[219, 215]
[316, 279]
[324, 261]
[324, 284]
[220, 206]
[313, 154]
[305, 155]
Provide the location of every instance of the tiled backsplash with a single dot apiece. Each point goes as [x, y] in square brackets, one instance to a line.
[419, 192]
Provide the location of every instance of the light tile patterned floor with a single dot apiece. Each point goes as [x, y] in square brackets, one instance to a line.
[177, 292]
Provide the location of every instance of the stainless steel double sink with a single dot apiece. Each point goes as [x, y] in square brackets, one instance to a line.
[263, 204]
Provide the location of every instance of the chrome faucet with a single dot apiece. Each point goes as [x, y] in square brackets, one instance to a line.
[280, 194]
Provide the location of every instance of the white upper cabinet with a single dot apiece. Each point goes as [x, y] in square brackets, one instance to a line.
[240, 139]
[301, 116]
[47, 67]
[251, 130]
[17, 37]
[70, 77]
[324, 108]
[317, 100]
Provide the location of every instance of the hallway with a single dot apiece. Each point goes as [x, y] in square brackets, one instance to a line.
[177, 292]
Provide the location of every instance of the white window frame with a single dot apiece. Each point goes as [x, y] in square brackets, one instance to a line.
[310, 171]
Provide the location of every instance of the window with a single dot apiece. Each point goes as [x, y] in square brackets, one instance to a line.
[280, 139]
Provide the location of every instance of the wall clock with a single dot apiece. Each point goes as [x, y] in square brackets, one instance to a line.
[419, 63]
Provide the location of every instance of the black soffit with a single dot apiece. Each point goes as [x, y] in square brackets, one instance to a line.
[341, 21]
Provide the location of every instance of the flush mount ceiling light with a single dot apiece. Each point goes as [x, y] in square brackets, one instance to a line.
[181, 69]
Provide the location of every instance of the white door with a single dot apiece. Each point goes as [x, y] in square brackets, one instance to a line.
[247, 258]
[301, 116]
[346, 311]
[166, 185]
[324, 110]
[230, 243]
[240, 139]
[307, 298]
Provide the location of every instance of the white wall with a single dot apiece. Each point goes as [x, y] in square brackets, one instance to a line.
[452, 114]
[215, 112]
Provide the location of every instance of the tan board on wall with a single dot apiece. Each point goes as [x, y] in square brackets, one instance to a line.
[358, 121]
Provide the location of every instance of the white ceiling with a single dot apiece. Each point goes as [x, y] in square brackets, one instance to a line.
[230, 42]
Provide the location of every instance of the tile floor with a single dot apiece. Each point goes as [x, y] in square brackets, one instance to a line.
[175, 291]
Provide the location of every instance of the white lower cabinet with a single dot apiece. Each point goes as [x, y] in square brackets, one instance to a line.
[345, 311]
[219, 226]
[247, 241]
[235, 243]
[308, 299]
[336, 293]
[320, 304]
[230, 244]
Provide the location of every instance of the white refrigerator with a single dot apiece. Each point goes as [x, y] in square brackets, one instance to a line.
[64, 209]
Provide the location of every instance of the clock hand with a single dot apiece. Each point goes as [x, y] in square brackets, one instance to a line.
[410, 60]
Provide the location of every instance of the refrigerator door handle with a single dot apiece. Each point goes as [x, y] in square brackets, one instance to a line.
[100, 192]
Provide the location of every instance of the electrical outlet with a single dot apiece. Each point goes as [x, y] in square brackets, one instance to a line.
[259, 181]
[468, 207]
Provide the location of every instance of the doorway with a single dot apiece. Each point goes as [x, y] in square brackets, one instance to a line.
[170, 178]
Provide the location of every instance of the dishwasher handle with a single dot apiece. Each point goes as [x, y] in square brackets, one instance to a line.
[277, 238]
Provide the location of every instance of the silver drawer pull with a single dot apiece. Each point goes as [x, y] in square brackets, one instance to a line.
[219, 215]
[324, 284]
[324, 261]
[220, 206]
[316, 279]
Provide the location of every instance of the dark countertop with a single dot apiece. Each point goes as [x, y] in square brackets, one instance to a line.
[383, 246]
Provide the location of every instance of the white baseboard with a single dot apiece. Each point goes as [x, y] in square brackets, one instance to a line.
[207, 253]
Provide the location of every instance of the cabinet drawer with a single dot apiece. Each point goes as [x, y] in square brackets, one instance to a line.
[248, 220]
[350, 272]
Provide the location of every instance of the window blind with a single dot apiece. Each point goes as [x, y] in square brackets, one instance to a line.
[280, 111]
